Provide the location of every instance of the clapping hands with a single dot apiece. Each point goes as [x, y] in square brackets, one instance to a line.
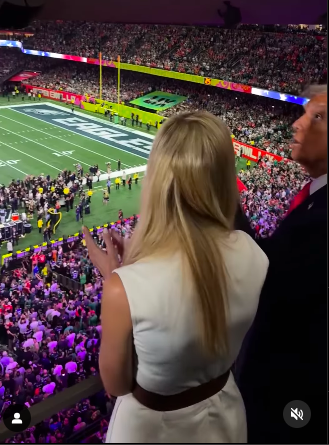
[106, 261]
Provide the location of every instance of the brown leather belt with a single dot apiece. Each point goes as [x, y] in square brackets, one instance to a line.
[191, 396]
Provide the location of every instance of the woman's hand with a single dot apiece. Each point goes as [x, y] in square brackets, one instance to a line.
[119, 242]
[105, 262]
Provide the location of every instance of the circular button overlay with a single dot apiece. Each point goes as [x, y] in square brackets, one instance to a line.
[17, 418]
[297, 414]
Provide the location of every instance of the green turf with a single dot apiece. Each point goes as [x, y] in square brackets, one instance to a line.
[21, 141]
[17, 101]
[33, 143]
[125, 199]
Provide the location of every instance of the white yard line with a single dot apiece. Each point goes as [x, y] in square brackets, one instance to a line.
[89, 137]
[48, 148]
[112, 184]
[9, 165]
[98, 119]
[84, 135]
[10, 106]
[22, 105]
[30, 156]
[94, 118]
[64, 140]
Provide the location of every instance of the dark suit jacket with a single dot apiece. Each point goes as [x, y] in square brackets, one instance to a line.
[284, 356]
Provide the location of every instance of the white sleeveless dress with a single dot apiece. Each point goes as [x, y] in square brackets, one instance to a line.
[169, 358]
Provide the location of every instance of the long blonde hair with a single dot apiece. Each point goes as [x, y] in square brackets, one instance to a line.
[189, 201]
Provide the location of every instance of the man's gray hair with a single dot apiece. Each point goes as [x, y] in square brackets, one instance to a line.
[314, 90]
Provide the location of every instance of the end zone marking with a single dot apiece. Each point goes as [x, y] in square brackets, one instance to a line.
[72, 143]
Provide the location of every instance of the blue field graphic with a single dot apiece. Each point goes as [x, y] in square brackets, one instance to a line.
[114, 135]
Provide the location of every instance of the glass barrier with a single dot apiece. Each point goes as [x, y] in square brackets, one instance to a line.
[79, 414]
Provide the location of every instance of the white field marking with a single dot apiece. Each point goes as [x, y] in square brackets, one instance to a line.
[92, 118]
[30, 156]
[15, 167]
[112, 185]
[64, 140]
[22, 105]
[48, 148]
[78, 113]
[89, 137]
[9, 165]
[110, 124]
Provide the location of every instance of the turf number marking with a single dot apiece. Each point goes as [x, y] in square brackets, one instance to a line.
[64, 153]
[10, 162]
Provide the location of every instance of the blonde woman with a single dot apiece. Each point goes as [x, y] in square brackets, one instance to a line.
[175, 314]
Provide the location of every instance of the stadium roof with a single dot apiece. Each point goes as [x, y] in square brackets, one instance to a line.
[184, 11]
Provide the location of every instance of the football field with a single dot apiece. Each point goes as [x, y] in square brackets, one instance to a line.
[47, 138]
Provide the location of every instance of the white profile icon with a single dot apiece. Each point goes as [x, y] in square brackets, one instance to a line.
[17, 420]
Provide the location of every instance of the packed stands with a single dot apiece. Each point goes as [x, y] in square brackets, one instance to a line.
[9, 60]
[281, 61]
[250, 118]
[50, 336]
[51, 333]
[270, 187]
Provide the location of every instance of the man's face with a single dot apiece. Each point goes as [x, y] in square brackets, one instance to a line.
[310, 133]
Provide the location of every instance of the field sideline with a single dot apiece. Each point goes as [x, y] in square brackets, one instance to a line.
[33, 144]
[30, 145]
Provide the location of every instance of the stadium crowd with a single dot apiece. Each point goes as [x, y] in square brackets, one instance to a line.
[10, 59]
[270, 189]
[52, 333]
[37, 195]
[281, 61]
[250, 118]
[50, 336]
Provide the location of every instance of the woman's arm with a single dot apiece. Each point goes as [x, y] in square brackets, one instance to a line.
[116, 352]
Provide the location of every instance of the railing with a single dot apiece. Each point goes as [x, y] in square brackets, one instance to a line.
[67, 282]
[86, 433]
[59, 402]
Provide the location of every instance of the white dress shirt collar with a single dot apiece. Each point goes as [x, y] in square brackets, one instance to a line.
[318, 183]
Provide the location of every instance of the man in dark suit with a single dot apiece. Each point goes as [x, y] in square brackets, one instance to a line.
[284, 356]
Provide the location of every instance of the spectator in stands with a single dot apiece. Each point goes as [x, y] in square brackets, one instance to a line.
[42, 353]
[282, 60]
[187, 242]
[270, 189]
[263, 122]
[79, 424]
